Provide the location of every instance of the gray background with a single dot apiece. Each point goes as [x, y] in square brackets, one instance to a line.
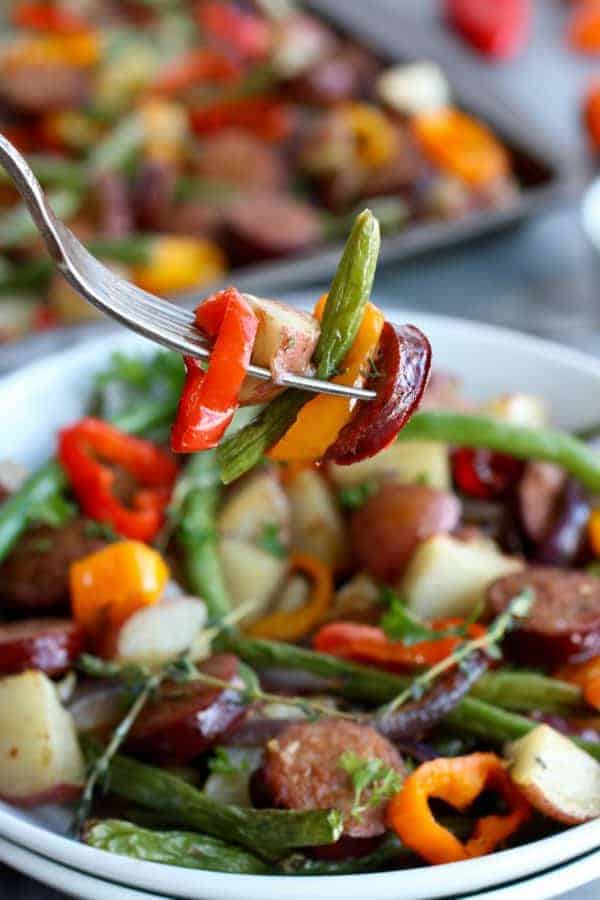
[542, 276]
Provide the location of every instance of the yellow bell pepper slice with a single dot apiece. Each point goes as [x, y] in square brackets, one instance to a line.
[594, 531]
[461, 145]
[81, 50]
[178, 263]
[374, 135]
[290, 626]
[321, 420]
[111, 584]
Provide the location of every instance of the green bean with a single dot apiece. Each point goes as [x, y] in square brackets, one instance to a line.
[486, 721]
[119, 147]
[348, 679]
[270, 833]
[132, 249]
[173, 848]
[545, 444]
[17, 227]
[348, 295]
[473, 715]
[389, 853]
[55, 171]
[347, 298]
[526, 691]
[244, 449]
[15, 512]
[196, 514]
[24, 276]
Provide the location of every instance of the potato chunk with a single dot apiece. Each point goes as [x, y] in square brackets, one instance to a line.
[558, 778]
[317, 524]
[40, 759]
[285, 342]
[408, 462]
[446, 577]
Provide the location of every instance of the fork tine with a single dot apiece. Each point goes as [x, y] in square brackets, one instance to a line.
[156, 319]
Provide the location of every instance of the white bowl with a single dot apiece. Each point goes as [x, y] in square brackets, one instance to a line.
[568, 877]
[37, 400]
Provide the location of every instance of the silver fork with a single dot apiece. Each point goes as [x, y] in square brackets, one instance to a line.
[156, 319]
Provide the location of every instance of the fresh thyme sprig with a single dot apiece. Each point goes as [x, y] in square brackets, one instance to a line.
[142, 683]
[518, 608]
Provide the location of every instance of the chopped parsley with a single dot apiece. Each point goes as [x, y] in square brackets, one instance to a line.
[270, 540]
[221, 763]
[356, 496]
[103, 530]
[372, 775]
[400, 624]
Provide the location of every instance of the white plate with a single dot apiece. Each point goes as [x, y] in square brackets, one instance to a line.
[40, 398]
[85, 887]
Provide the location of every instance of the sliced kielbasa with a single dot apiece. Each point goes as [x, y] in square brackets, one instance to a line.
[302, 769]
[40, 88]
[265, 226]
[241, 159]
[50, 645]
[35, 575]
[564, 622]
[188, 719]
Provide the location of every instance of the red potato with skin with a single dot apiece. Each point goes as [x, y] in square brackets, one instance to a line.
[49, 645]
[40, 759]
[189, 719]
[387, 528]
[285, 342]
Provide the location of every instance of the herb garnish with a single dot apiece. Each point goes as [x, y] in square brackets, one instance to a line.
[369, 774]
[400, 624]
[518, 608]
[356, 496]
[221, 763]
[270, 540]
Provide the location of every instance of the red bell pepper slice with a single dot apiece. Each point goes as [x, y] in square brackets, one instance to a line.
[209, 399]
[369, 644]
[44, 17]
[244, 33]
[399, 379]
[197, 67]
[497, 28]
[268, 119]
[583, 31]
[84, 451]
[483, 474]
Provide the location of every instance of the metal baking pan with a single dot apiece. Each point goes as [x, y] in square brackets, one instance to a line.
[545, 176]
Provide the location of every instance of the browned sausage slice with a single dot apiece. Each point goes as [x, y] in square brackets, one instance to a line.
[237, 158]
[34, 578]
[189, 719]
[564, 623]
[265, 226]
[302, 769]
[50, 645]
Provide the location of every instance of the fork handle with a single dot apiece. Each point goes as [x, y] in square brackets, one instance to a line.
[29, 188]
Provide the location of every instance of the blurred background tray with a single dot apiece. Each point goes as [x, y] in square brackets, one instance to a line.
[547, 175]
